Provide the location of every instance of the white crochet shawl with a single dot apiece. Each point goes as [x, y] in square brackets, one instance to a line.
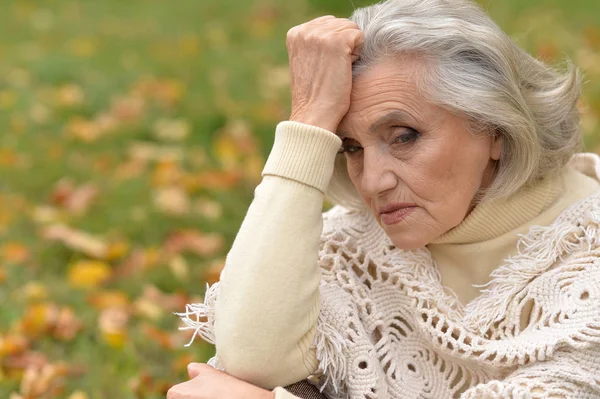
[388, 329]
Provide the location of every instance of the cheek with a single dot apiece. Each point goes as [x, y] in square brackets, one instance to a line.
[445, 178]
[354, 168]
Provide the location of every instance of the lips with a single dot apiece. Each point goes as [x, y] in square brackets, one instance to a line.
[395, 213]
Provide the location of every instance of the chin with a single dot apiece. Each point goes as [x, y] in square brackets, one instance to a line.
[408, 241]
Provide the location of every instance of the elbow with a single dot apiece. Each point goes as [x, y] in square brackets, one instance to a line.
[252, 361]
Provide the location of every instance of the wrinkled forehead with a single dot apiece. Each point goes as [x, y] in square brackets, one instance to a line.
[387, 92]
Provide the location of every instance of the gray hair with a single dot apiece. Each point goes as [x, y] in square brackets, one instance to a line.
[475, 69]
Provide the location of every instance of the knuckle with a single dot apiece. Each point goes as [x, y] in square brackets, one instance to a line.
[292, 33]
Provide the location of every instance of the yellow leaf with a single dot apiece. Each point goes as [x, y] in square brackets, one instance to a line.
[78, 395]
[34, 291]
[69, 95]
[13, 344]
[109, 299]
[88, 273]
[117, 250]
[112, 323]
[39, 318]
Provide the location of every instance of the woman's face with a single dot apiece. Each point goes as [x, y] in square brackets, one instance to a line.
[415, 164]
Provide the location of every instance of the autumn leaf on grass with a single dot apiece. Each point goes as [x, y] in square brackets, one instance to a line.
[172, 200]
[14, 252]
[76, 240]
[179, 268]
[69, 95]
[208, 208]
[88, 273]
[144, 151]
[171, 129]
[213, 180]
[166, 173]
[47, 318]
[160, 337]
[47, 380]
[112, 323]
[33, 291]
[75, 199]
[128, 108]
[234, 142]
[13, 344]
[194, 241]
[109, 299]
[153, 303]
[138, 261]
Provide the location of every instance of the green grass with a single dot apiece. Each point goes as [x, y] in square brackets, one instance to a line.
[210, 63]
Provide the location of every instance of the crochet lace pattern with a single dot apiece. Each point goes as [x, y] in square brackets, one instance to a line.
[389, 329]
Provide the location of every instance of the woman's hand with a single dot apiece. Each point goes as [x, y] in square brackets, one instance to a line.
[321, 53]
[208, 383]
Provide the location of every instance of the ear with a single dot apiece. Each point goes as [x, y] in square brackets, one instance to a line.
[496, 147]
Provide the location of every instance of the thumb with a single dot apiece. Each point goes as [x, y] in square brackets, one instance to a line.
[194, 369]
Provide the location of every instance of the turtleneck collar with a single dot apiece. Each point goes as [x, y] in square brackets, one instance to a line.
[491, 219]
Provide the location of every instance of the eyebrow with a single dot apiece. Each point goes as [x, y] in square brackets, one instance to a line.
[392, 116]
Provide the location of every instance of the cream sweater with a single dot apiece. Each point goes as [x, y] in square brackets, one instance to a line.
[336, 301]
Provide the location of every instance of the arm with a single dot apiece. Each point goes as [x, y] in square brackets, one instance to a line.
[267, 309]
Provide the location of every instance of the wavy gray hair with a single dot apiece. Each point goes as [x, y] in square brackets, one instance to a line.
[475, 69]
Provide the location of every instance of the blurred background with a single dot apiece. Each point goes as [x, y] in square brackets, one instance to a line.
[132, 134]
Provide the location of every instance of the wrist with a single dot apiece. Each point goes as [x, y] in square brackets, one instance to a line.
[324, 122]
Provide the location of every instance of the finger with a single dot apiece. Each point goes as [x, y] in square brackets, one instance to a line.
[359, 40]
[337, 25]
[194, 369]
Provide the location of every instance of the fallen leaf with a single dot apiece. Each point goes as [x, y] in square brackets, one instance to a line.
[14, 252]
[112, 323]
[171, 129]
[88, 274]
[155, 152]
[69, 95]
[34, 291]
[76, 200]
[212, 180]
[196, 242]
[78, 395]
[76, 240]
[179, 268]
[13, 344]
[208, 208]
[109, 299]
[172, 200]
[67, 325]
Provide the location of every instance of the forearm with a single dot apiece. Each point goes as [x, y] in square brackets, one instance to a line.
[268, 303]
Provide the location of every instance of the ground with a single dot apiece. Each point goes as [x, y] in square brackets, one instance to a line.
[132, 135]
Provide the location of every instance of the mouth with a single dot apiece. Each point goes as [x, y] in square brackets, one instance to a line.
[395, 213]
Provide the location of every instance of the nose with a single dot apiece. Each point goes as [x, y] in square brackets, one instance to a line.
[377, 173]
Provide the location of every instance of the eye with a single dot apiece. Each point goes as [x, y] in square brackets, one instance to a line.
[349, 147]
[407, 136]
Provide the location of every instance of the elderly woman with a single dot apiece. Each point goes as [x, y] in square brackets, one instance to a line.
[463, 258]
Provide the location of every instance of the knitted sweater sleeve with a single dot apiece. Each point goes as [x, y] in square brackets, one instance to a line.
[268, 304]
